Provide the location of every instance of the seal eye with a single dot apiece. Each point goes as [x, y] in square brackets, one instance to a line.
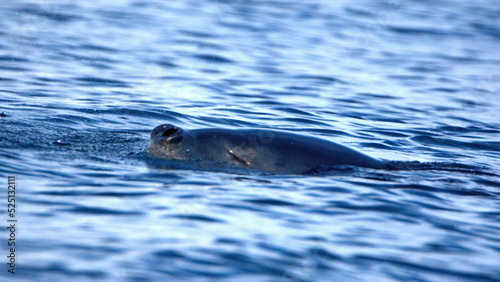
[169, 131]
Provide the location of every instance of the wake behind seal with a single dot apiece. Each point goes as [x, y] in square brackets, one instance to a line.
[265, 150]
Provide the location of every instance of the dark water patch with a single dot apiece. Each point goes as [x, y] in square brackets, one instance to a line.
[230, 241]
[353, 115]
[271, 202]
[211, 71]
[100, 48]
[439, 166]
[49, 202]
[70, 119]
[101, 82]
[471, 103]
[485, 145]
[160, 114]
[468, 129]
[169, 254]
[428, 67]
[9, 155]
[446, 90]
[56, 16]
[212, 58]
[422, 131]
[49, 79]
[177, 78]
[166, 64]
[377, 96]
[422, 191]
[276, 70]
[60, 271]
[280, 250]
[302, 88]
[330, 189]
[450, 190]
[61, 121]
[162, 176]
[119, 194]
[8, 59]
[488, 183]
[326, 132]
[456, 59]
[322, 79]
[97, 251]
[87, 59]
[389, 208]
[431, 206]
[99, 175]
[202, 262]
[197, 33]
[423, 267]
[236, 82]
[205, 45]
[377, 146]
[408, 77]
[227, 121]
[387, 133]
[99, 65]
[244, 27]
[360, 12]
[13, 68]
[381, 118]
[38, 93]
[196, 217]
[445, 248]
[320, 253]
[493, 216]
[487, 29]
[293, 111]
[304, 121]
[413, 31]
[245, 112]
[243, 207]
[99, 211]
[246, 263]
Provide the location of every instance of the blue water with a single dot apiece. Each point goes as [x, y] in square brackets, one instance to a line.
[415, 83]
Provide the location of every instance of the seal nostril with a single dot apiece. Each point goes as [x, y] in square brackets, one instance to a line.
[169, 131]
[175, 140]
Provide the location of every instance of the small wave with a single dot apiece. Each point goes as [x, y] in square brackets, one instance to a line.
[440, 166]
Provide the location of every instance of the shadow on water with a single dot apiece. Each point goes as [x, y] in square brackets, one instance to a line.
[341, 170]
[439, 166]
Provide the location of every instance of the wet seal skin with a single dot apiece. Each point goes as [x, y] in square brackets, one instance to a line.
[265, 150]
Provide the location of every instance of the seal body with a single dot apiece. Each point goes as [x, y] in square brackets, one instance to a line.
[265, 150]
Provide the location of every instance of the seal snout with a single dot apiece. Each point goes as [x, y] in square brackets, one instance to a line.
[170, 133]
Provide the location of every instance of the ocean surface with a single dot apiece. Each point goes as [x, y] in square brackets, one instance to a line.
[413, 83]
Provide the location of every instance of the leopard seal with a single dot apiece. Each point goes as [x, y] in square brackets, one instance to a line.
[264, 150]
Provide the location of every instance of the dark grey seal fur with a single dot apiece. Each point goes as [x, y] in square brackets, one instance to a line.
[265, 150]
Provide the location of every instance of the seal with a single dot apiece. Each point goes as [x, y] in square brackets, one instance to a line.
[264, 150]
